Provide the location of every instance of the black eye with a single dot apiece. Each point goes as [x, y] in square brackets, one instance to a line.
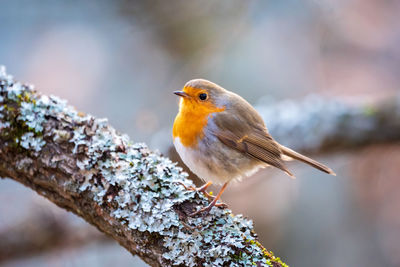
[203, 96]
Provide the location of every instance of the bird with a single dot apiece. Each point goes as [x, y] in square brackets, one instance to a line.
[222, 138]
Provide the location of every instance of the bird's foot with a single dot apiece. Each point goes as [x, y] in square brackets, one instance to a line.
[210, 197]
[201, 189]
[213, 203]
[204, 210]
[207, 209]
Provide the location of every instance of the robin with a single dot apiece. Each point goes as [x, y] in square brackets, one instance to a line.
[222, 138]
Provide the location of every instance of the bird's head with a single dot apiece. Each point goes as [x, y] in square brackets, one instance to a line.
[203, 96]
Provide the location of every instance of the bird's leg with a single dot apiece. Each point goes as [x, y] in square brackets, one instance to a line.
[201, 189]
[213, 203]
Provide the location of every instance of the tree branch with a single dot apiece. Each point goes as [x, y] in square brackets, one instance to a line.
[317, 124]
[125, 190]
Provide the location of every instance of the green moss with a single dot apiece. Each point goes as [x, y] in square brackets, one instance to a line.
[15, 132]
[269, 256]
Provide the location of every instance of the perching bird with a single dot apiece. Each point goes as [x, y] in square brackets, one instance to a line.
[222, 138]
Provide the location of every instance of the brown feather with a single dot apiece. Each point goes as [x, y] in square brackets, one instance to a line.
[267, 151]
[247, 133]
[293, 154]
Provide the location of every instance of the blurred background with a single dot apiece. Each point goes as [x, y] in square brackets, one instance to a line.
[122, 59]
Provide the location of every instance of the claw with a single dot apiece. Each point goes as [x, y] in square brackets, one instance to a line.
[190, 188]
[213, 203]
[204, 210]
[201, 189]
[221, 205]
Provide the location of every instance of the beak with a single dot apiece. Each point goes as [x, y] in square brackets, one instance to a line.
[181, 93]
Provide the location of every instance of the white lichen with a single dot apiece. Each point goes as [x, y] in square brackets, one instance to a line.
[14, 91]
[32, 115]
[29, 141]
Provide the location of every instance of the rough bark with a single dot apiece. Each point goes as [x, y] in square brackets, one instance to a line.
[127, 191]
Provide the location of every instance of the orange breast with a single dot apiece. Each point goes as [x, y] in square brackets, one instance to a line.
[190, 122]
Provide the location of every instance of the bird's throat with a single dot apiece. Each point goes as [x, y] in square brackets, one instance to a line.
[190, 123]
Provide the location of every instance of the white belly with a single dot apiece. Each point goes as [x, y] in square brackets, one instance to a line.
[219, 169]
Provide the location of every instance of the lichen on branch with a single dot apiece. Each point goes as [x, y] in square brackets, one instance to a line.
[126, 190]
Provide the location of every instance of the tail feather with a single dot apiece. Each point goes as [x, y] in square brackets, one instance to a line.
[293, 154]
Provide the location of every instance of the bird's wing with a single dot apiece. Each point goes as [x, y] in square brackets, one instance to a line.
[264, 149]
[248, 135]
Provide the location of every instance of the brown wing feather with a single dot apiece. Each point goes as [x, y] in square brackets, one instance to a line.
[247, 133]
[266, 150]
